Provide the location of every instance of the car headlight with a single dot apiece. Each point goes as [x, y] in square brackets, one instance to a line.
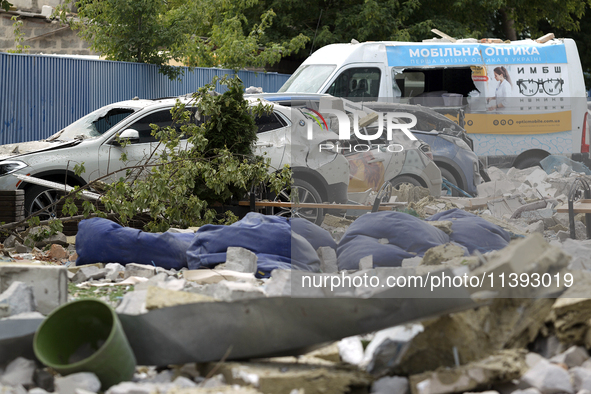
[7, 167]
[458, 141]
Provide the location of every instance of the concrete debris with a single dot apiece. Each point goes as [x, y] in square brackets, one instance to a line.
[57, 252]
[336, 226]
[410, 193]
[157, 298]
[284, 378]
[232, 291]
[502, 366]
[572, 311]
[18, 298]
[443, 225]
[143, 271]
[441, 253]
[18, 372]
[37, 234]
[115, 272]
[239, 259]
[215, 276]
[429, 205]
[536, 227]
[72, 384]
[391, 385]
[574, 356]
[84, 274]
[351, 350]
[548, 378]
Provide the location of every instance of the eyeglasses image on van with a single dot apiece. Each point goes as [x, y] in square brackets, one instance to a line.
[529, 87]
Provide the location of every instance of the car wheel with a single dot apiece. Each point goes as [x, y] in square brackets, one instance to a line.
[39, 198]
[448, 176]
[302, 192]
[402, 179]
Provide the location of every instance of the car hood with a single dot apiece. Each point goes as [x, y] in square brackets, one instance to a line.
[14, 150]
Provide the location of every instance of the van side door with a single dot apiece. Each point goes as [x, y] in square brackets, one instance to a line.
[359, 82]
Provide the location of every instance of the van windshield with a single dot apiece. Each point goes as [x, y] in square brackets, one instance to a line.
[308, 79]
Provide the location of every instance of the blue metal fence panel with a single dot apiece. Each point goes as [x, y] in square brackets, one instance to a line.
[40, 95]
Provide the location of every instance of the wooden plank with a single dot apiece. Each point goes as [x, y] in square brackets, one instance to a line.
[583, 206]
[326, 206]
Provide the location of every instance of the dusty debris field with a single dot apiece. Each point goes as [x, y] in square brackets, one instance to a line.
[493, 338]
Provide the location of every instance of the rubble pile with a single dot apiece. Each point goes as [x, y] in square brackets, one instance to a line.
[518, 321]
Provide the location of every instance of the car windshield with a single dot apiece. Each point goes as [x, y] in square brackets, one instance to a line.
[93, 125]
[308, 79]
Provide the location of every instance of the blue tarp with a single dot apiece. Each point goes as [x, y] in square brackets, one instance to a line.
[270, 237]
[407, 236]
[474, 232]
[103, 241]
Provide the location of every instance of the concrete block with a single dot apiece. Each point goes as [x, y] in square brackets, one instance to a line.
[87, 273]
[49, 282]
[19, 372]
[18, 298]
[366, 263]
[391, 385]
[548, 378]
[440, 253]
[328, 259]
[239, 259]
[536, 227]
[232, 291]
[351, 350]
[141, 270]
[58, 238]
[115, 271]
[82, 380]
[574, 356]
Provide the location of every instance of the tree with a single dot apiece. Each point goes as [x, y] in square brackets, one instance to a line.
[200, 33]
[331, 21]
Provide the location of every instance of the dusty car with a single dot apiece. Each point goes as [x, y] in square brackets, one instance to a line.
[93, 140]
[372, 163]
[452, 148]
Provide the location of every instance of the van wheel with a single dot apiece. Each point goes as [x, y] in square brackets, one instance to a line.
[302, 192]
[529, 162]
[41, 198]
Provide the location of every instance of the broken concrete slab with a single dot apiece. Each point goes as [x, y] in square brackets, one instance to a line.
[580, 378]
[232, 291]
[157, 298]
[141, 270]
[57, 252]
[49, 282]
[366, 263]
[351, 350]
[37, 232]
[203, 276]
[536, 227]
[502, 366]
[115, 271]
[282, 378]
[18, 298]
[240, 260]
[572, 311]
[85, 274]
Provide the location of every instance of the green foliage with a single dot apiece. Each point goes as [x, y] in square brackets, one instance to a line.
[5, 5]
[42, 232]
[19, 36]
[192, 174]
[200, 33]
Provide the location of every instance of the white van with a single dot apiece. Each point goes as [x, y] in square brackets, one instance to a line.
[519, 101]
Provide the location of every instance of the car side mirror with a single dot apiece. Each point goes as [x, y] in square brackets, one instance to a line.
[129, 135]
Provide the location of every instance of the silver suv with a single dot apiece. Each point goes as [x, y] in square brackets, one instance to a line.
[92, 140]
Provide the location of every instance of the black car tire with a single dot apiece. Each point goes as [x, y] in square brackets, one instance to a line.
[399, 180]
[306, 194]
[38, 197]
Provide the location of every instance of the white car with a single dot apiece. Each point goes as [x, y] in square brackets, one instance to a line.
[92, 140]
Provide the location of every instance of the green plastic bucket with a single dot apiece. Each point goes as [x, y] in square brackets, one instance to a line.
[85, 336]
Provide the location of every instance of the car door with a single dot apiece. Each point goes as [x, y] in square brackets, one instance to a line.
[273, 137]
[114, 158]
